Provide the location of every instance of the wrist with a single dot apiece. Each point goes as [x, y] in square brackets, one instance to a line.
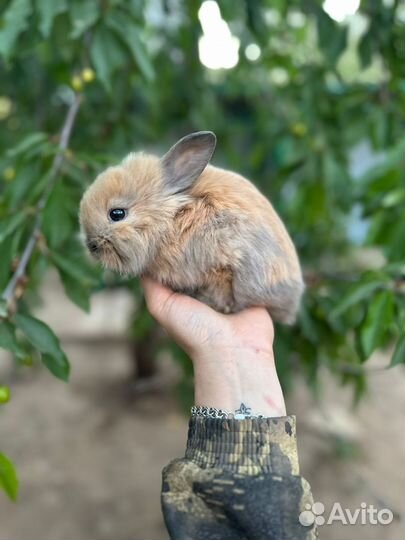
[232, 378]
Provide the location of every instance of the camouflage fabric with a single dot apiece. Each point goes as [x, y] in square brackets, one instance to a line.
[239, 480]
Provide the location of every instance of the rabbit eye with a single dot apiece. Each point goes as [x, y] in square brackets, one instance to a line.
[117, 214]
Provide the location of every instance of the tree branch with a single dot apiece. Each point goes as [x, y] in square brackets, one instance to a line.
[10, 290]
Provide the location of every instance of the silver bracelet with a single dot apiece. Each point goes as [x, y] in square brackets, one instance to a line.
[212, 412]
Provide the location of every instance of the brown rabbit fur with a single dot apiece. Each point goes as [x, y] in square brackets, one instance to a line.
[199, 229]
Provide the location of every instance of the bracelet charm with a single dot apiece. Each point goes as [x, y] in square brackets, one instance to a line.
[242, 413]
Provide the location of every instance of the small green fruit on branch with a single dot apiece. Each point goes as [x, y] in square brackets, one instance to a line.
[4, 394]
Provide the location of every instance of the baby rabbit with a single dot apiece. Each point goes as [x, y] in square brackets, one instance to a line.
[200, 230]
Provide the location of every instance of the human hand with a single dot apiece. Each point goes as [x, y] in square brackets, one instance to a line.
[232, 354]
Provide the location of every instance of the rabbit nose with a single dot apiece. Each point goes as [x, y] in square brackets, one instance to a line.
[92, 246]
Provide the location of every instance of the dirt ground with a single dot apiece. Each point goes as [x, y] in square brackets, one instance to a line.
[89, 454]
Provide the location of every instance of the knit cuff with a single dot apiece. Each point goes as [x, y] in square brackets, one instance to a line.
[250, 446]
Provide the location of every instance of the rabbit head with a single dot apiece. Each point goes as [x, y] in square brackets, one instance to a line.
[126, 212]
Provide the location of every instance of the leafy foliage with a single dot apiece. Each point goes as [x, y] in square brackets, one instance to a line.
[8, 477]
[316, 122]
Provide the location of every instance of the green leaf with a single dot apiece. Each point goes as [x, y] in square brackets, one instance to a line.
[76, 268]
[308, 324]
[57, 365]
[3, 308]
[106, 55]
[20, 189]
[8, 477]
[393, 198]
[9, 225]
[142, 324]
[7, 337]
[356, 294]
[48, 9]
[15, 21]
[83, 14]
[39, 334]
[331, 37]
[43, 338]
[392, 161]
[79, 294]
[398, 356]
[27, 143]
[129, 32]
[254, 18]
[379, 317]
[7, 254]
[57, 222]
[366, 48]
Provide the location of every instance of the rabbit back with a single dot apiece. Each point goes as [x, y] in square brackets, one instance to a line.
[228, 248]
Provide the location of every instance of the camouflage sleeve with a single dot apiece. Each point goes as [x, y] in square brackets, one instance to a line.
[239, 480]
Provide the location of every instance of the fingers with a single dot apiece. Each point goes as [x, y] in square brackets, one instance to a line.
[156, 296]
[169, 307]
[197, 327]
[154, 291]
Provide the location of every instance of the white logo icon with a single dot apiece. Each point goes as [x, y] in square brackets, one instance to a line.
[312, 514]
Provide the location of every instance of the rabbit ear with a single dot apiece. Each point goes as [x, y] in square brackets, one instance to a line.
[187, 159]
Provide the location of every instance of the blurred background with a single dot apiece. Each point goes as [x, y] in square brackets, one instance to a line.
[307, 99]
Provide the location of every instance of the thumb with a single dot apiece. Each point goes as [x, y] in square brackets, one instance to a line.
[157, 297]
[173, 310]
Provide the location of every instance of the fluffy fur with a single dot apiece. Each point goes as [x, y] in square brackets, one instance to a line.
[199, 229]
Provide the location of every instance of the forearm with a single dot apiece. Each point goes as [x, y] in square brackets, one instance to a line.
[240, 478]
[228, 377]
